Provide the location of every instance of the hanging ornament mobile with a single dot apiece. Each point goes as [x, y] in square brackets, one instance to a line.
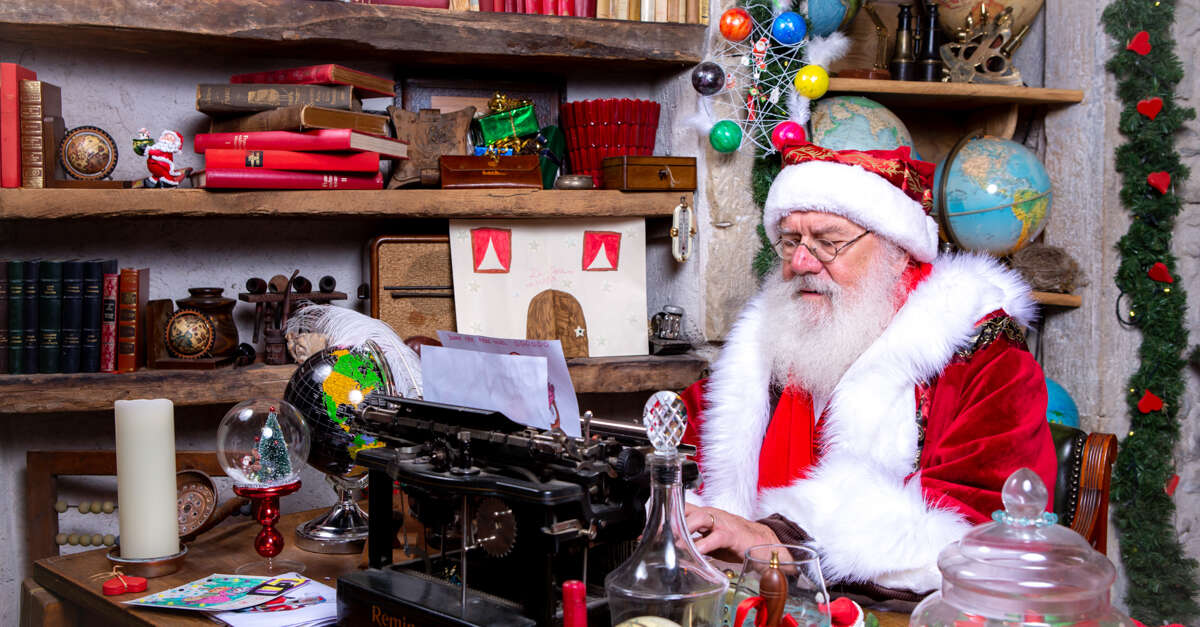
[762, 74]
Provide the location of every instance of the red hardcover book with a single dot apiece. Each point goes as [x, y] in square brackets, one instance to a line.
[132, 291]
[11, 75]
[253, 178]
[108, 323]
[328, 74]
[548, 7]
[565, 7]
[291, 160]
[428, 4]
[510, 6]
[487, 6]
[308, 141]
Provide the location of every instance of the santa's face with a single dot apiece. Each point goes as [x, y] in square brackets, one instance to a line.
[817, 281]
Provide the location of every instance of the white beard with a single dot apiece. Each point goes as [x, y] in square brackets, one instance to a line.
[813, 344]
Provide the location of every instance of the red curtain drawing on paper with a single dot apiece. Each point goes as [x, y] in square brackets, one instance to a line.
[491, 250]
[601, 250]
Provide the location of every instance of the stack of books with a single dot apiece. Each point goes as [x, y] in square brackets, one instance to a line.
[300, 128]
[71, 316]
[31, 125]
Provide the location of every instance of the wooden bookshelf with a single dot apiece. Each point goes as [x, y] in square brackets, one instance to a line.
[343, 32]
[59, 204]
[1051, 299]
[43, 393]
[951, 96]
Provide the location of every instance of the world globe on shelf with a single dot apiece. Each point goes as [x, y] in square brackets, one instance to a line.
[326, 389]
[857, 123]
[1060, 407]
[827, 16]
[997, 195]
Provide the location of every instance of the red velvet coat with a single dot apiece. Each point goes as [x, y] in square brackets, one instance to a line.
[918, 439]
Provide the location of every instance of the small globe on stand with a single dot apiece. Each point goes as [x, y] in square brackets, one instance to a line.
[327, 388]
[827, 16]
[260, 445]
[991, 195]
[88, 153]
[857, 123]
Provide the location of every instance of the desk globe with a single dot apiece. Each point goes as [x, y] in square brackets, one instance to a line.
[991, 195]
[1022, 570]
[260, 445]
[326, 389]
[857, 123]
[827, 16]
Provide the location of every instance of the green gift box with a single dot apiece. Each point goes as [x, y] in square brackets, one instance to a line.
[553, 152]
[517, 122]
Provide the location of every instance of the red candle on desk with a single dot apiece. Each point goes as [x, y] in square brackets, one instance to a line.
[574, 604]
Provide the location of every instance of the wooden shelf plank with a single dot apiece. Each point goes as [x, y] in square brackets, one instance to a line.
[406, 36]
[42, 393]
[951, 96]
[1051, 299]
[57, 204]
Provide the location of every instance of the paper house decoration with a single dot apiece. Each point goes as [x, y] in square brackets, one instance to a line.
[582, 282]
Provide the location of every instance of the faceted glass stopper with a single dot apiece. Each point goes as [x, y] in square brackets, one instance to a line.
[665, 418]
[1024, 496]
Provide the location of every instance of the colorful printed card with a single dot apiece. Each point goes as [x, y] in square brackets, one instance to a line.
[312, 605]
[219, 593]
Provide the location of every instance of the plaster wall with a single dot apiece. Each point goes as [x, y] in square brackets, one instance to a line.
[121, 93]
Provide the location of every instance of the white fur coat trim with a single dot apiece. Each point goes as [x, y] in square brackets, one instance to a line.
[867, 522]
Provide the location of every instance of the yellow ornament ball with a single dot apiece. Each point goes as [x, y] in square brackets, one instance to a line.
[812, 81]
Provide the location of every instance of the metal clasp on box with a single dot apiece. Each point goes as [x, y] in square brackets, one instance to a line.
[683, 230]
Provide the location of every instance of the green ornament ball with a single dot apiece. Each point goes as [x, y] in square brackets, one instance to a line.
[725, 136]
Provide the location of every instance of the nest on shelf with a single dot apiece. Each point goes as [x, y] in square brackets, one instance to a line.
[1047, 268]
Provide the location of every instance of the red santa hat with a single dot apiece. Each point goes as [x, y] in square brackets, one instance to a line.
[886, 191]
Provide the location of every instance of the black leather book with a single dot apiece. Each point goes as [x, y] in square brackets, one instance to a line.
[72, 314]
[16, 317]
[30, 296]
[3, 317]
[49, 315]
[90, 340]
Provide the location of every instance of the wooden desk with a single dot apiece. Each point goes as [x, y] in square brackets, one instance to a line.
[221, 550]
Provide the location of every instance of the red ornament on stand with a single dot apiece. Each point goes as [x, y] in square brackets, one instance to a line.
[268, 542]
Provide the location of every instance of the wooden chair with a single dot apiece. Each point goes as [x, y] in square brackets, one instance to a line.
[43, 468]
[1085, 462]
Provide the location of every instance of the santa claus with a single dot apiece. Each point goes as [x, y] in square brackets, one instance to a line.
[160, 160]
[873, 396]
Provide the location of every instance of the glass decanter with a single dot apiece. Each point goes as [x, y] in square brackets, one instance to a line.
[666, 578]
[1023, 570]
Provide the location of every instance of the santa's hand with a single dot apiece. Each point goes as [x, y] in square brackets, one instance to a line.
[725, 533]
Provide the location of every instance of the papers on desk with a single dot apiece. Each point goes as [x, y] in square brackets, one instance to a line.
[248, 601]
[311, 605]
[526, 380]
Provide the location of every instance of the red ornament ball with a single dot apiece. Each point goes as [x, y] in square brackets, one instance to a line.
[787, 133]
[735, 24]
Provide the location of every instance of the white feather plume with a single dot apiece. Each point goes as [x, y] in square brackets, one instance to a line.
[823, 51]
[346, 327]
[700, 121]
[798, 109]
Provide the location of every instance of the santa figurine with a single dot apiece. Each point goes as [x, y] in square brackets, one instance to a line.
[160, 160]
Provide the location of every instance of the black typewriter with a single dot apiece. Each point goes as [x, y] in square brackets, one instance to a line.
[509, 513]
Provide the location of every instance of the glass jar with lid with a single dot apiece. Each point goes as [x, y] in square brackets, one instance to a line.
[1022, 570]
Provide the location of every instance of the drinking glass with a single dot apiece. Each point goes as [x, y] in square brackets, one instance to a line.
[807, 599]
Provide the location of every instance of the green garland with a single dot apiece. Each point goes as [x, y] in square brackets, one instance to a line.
[1162, 579]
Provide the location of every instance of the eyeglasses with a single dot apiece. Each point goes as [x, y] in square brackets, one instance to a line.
[824, 250]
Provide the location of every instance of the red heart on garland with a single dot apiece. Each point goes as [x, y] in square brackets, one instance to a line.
[1149, 402]
[1140, 43]
[1172, 483]
[1159, 273]
[1150, 107]
[1159, 180]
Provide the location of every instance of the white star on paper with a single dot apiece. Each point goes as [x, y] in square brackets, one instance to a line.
[579, 331]
[462, 236]
[534, 246]
[601, 342]
[475, 327]
[567, 283]
[607, 287]
[473, 287]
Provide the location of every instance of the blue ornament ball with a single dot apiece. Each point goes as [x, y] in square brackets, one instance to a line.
[1060, 408]
[789, 28]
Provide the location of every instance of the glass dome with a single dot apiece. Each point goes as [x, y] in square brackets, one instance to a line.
[1022, 569]
[262, 443]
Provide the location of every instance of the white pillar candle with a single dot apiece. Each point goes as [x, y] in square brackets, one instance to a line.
[146, 497]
